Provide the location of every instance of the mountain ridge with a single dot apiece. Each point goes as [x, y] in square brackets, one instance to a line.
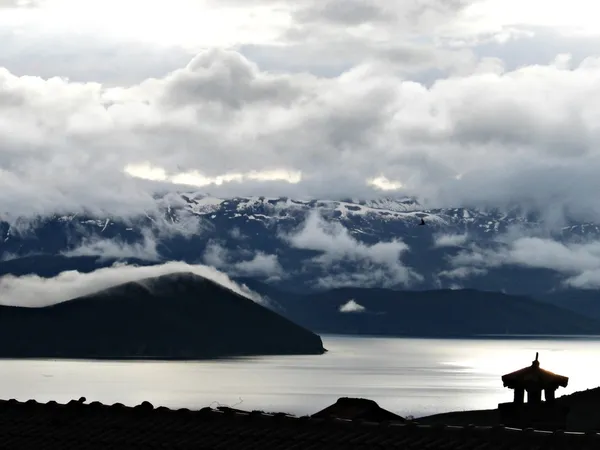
[355, 242]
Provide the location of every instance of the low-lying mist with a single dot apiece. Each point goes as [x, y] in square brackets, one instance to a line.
[35, 291]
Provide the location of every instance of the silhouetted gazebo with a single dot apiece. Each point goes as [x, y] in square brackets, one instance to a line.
[534, 413]
[534, 380]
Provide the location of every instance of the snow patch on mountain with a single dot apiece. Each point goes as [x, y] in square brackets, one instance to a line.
[366, 217]
[282, 208]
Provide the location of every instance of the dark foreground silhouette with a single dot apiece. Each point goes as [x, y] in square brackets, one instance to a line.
[583, 413]
[78, 425]
[176, 316]
[439, 313]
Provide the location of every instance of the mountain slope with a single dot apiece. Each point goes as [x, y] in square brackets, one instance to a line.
[181, 316]
[583, 302]
[439, 313]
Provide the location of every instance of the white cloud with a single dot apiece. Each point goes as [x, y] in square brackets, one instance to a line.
[215, 255]
[114, 249]
[589, 279]
[568, 16]
[259, 264]
[188, 23]
[380, 263]
[35, 291]
[462, 272]
[86, 58]
[70, 135]
[450, 240]
[19, 3]
[237, 234]
[352, 307]
[417, 96]
[578, 262]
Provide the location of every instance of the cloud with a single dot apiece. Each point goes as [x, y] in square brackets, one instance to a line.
[256, 264]
[71, 133]
[35, 291]
[462, 272]
[450, 240]
[428, 95]
[237, 234]
[380, 263]
[19, 3]
[85, 58]
[352, 307]
[215, 255]
[352, 12]
[261, 265]
[414, 17]
[325, 35]
[577, 262]
[106, 249]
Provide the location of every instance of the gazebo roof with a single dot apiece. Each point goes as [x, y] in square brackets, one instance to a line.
[534, 376]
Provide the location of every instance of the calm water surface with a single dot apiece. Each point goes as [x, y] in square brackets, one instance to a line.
[408, 376]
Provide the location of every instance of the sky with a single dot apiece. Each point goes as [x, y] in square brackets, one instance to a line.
[458, 102]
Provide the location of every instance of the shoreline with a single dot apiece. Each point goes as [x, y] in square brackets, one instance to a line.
[482, 337]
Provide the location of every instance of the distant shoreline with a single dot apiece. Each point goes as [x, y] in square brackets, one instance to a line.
[548, 337]
[324, 336]
[121, 359]
[153, 358]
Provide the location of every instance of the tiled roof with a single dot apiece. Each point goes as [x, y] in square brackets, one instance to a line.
[81, 426]
[534, 374]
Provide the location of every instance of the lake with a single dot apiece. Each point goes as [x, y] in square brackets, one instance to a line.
[407, 376]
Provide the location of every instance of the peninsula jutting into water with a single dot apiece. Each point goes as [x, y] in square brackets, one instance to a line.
[175, 316]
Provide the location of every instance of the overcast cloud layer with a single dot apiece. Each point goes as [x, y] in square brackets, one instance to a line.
[445, 99]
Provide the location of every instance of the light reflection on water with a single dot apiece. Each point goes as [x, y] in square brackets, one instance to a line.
[407, 376]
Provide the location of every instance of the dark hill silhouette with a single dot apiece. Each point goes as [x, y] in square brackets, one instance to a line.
[175, 316]
[584, 302]
[438, 313]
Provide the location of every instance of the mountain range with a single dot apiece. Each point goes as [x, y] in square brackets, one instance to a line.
[302, 245]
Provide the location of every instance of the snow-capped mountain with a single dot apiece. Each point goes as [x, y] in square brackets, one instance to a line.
[301, 244]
